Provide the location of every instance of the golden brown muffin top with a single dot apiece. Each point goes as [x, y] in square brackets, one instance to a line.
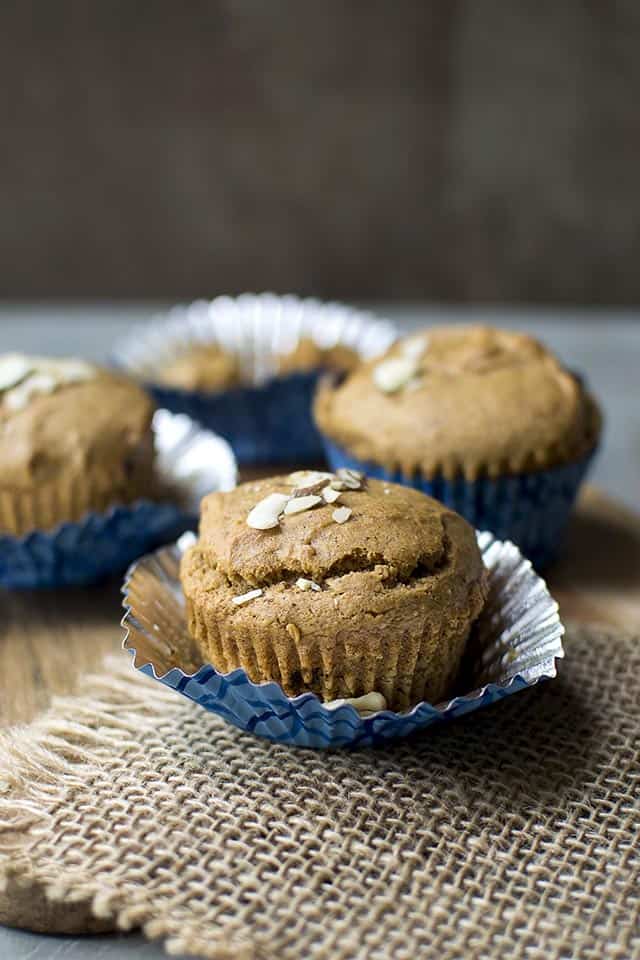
[461, 400]
[206, 367]
[210, 367]
[308, 355]
[65, 416]
[383, 600]
[395, 530]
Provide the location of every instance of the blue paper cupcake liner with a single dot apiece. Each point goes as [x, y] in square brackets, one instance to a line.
[93, 548]
[515, 644]
[531, 509]
[269, 420]
[271, 423]
[191, 460]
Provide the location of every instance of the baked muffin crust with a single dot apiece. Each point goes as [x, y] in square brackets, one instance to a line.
[73, 438]
[206, 367]
[382, 601]
[308, 355]
[461, 400]
[209, 367]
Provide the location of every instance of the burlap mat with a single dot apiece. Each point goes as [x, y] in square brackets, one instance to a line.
[512, 833]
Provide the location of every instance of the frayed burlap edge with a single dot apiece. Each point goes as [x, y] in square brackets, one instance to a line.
[42, 765]
[39, 763]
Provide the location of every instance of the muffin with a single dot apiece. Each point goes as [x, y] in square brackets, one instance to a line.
[210, 368]
[334, 584]
[308, 356]
[73, 438]
[207, 367]
[247, 367]
[487, 420]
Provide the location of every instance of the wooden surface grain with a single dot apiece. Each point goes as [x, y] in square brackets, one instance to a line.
[49, 638]
[597, 579]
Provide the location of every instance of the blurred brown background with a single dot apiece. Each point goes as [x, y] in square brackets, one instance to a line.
[457, 150]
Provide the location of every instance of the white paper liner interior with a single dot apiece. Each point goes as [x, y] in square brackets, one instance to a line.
[256, 328]
[190, 459]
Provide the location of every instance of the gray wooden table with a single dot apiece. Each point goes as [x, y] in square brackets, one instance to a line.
[602, 344]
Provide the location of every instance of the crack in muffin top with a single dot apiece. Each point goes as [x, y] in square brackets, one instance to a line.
[389, 525]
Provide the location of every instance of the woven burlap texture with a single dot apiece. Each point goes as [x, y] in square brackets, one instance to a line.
[511, 833]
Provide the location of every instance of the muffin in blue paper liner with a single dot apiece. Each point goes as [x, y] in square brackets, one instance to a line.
[265, 413]
[515, 644]
[190, 463]
[532, 509]
[487, 421]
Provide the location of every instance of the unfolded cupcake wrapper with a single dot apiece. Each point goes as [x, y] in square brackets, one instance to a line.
[190, 461]
[531, 509]
[270, 420]
[514, 645]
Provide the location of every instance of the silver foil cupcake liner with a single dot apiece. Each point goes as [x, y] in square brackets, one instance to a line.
[190, 462]
[515, 644]
[268, 419]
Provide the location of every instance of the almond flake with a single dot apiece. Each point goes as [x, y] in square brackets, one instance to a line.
[309, 489]
[265, 514]
[303, 584]
[330, 494]
[299, 504]
[246, 597]
[19, 397]
[342, 514]
[414, 347]
[69, 371]
[395, 373]
[24, 377]
[352, 479]
[306, 478]
[365, 705]
[13, 368]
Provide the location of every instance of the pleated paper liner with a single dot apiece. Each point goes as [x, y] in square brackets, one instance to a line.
[531, 509]
[514, 645]
[190, 462]
[269, 419]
